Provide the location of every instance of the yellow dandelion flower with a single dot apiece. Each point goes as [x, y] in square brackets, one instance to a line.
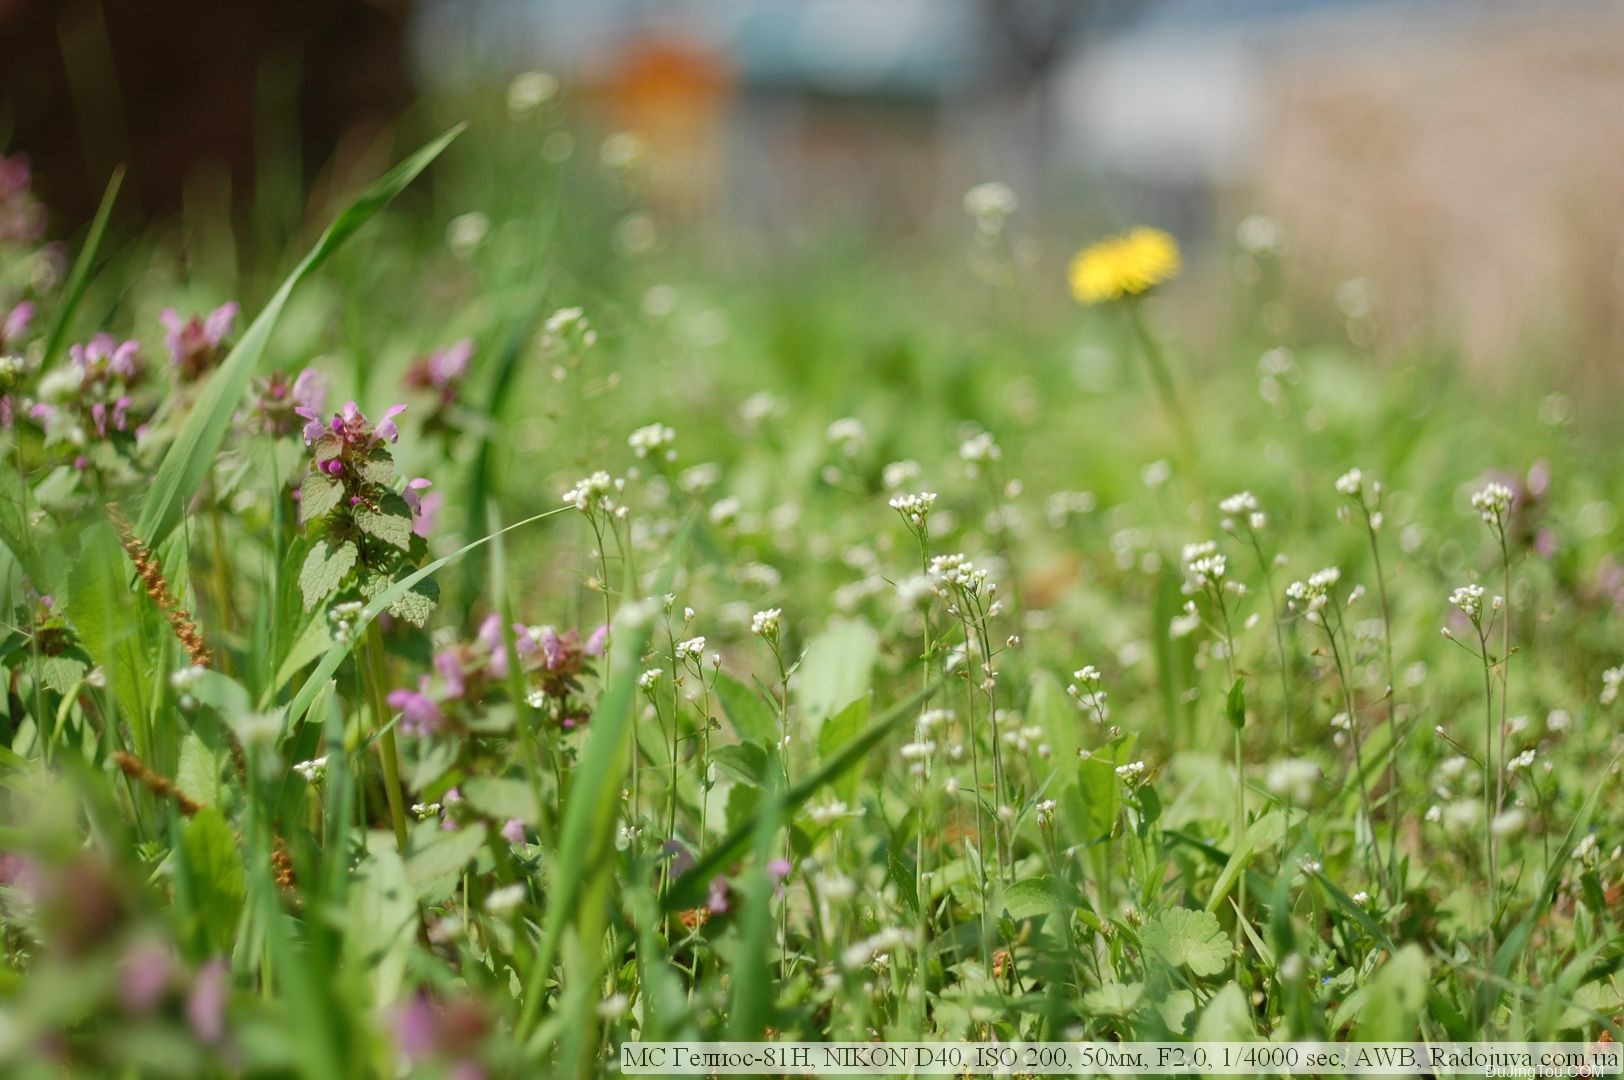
[1126, 265]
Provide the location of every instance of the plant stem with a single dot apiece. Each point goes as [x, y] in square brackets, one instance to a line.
[377, 675]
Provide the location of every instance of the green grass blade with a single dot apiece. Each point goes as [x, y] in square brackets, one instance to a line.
[79, 276]
[187, 462]
[690, 887]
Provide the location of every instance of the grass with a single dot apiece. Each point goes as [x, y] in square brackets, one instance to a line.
[414, 809]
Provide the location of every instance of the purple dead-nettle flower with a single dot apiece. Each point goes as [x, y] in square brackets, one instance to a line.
[206, 1004]
[419, 713]
[442, 370]
[425, 506]
[717, 898]
[15, 327]
[281, 403]
[22, 217]
[197, 345]
[513, 831]
[372, 533]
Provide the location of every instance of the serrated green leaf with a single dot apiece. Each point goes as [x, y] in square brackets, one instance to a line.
[1113, 999]
[318, 495]
[377, 467]
[417, 603]
[62, 672]
[325, 569]
[390, 522]
[1189, 939]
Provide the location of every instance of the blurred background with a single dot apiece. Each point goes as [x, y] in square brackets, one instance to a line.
[1457, 164]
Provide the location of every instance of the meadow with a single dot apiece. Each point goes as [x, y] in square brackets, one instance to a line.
[503, 624]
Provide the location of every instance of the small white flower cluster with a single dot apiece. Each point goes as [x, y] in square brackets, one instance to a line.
[1204, 565]
[653, 438]
[765, 623]
[914, 508]
[1088, 689]
[1260, 235]
[918, 754]
[1492, 502]
[828, 812]
[529, 91]
[1242, 505]
[650, 678]
[1045, 811]
[848, 434]
[957, 572]
[597, 493]
[1131, 773]
[690, 649]
[1182, 626]
[979, 450]
[183, 680]
[1022, 739]
[872, 948]
[344, 619]
[1293, 778]
[313, 770]
[991, 204]
[507, 899]
[1522, 761]
[1612, 684]
[1312, 595]
[899, 474]
[565, 323]
[1351, 483]
[1469, 599]
[424, 810]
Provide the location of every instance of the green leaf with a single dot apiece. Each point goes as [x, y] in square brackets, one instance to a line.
[502, 798]
[381, 917]
[1397, 995]
[64, 671]
[1046, 895]
[1113, 999]
[390, 522]
[417, 603]
[199, 772]
[318, 494]
[109, 625]
[191, 455]
[377, 467]
[751, 717]
[214, 868]
[1226, 1017]
[434, 869]
[839, 730]
[836, 670]
[743, 761]
[1235, 704]
[1188, 939]
[325, 569]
